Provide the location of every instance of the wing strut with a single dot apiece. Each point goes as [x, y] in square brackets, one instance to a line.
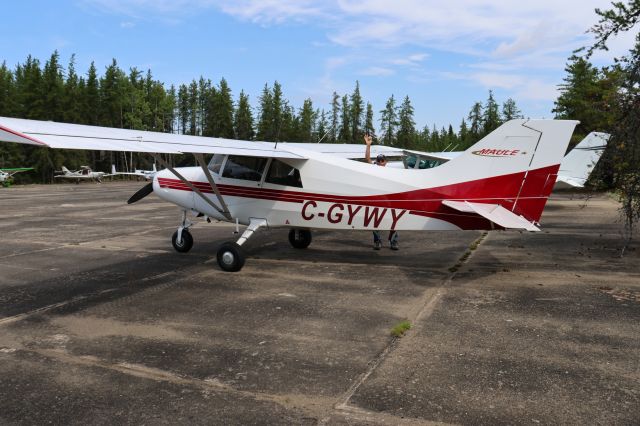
[207, 173]
[224, 210]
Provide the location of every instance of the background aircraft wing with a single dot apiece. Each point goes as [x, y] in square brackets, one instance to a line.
[76, 136]
[347, 150]
[442, 157]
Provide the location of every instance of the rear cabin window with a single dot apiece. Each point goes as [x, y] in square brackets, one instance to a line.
[245, 168]
[283, 174]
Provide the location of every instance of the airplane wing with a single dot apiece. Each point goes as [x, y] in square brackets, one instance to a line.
[12, 172]
[75, 136]
[493, 212]
[443, 157]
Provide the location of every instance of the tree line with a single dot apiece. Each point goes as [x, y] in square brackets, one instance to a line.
[136, 100]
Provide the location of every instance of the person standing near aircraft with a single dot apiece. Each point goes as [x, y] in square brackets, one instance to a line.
[381, 160]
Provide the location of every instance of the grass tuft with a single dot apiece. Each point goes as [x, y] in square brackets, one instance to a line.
[400, 328]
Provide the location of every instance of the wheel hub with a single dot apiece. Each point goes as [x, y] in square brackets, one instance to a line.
[228, 258]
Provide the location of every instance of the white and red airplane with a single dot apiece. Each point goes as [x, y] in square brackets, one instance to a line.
[501, 182]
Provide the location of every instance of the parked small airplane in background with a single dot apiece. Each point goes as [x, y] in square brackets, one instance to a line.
[147, 174]
[84, 173]
[501, 182]
[575, 169]
[6, 175]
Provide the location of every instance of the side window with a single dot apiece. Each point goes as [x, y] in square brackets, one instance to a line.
[246, 168]
[283, 174]
[216, 163]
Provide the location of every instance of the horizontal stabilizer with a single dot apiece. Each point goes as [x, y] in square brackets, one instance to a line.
[493, 212]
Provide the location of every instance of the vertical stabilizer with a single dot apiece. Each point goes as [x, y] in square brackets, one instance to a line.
[577, 165]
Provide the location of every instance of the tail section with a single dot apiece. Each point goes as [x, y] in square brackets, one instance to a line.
[514, 168]
[65, 170]
[154, 167]
[577, 165]
[113, 169]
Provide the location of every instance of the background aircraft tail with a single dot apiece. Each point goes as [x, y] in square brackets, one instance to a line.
[65, 170]
[577, 165]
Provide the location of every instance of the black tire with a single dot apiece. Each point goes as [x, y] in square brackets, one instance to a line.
[230, 257]
[300, 238]
[187, 241]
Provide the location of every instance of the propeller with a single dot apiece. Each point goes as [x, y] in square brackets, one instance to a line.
[142, 192]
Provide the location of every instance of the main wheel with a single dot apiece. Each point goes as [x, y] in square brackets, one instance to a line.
[300, 238]
[230, 257]
[186, 243]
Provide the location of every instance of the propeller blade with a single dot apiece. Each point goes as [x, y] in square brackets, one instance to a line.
[142, 192]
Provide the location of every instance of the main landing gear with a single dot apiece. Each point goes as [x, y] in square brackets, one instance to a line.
[230, 255]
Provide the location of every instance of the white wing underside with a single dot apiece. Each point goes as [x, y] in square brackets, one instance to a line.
[75, 136]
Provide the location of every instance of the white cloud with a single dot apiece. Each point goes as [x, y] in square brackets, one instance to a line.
[377, 71]
[519, 47]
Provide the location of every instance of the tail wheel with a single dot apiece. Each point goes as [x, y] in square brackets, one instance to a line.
[300, 238]
[230, 257]
[186, 243]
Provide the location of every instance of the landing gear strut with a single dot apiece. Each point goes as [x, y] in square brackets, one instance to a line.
[230, 255]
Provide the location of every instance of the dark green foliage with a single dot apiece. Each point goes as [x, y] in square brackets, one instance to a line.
[406, 136]
[243, 119]
[491, 118]
[623, 149]
[389, 122]
[306, 122]
[356, 109]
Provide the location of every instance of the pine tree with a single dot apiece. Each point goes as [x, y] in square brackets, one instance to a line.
[183, 108]
[71, 100]
[306, 122]
[279, 109]
[193, 98]
[510, 110]
[28, 77]
[91, 98]
[405, 138]
[356, 109]
[52, 89]
[112, 96]
[463, 135]
[243, 119]
[368, 121]
[344, 135]
[335, 117]
[7, 92]
[389, 122]
[491, 116]
[323, 126]
[475, 122]
[220, 113]
[265, 114]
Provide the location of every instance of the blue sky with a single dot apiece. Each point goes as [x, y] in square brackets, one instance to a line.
[444, 55]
